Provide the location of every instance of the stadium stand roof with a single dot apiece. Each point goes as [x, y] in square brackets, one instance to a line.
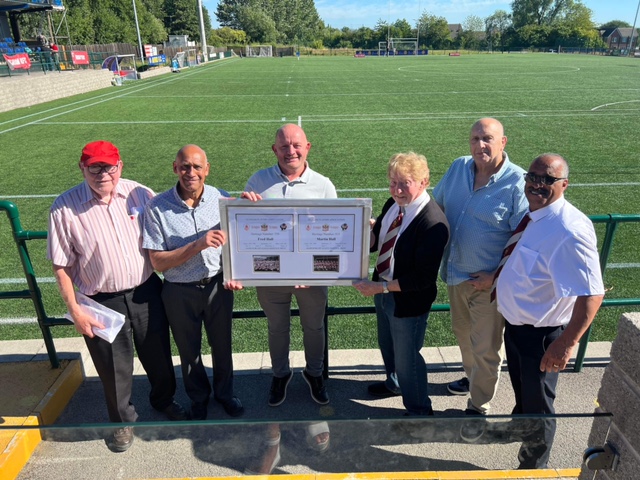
[30, 6]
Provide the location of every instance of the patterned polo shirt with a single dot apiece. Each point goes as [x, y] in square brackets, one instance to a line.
[170, 223]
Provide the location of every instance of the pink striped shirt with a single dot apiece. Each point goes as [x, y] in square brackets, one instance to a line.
[102, 243]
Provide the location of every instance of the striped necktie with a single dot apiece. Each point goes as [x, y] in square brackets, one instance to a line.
[511, 244]
[383, 265]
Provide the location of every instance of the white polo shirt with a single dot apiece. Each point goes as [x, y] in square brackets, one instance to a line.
[555, 261]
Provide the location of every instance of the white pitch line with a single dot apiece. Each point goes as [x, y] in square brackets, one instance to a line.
[327, 119]
[350, 190]
[134, 88]
[385, 94]
[615, 103]
[29, 320]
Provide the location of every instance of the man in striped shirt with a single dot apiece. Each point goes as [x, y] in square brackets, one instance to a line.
[95, 244]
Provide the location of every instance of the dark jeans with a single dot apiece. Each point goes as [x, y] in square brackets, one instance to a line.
[147, 329]
[188, 308]
[400, 341]
[535, 391]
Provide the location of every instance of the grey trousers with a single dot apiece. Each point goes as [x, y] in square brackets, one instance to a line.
[276, 303]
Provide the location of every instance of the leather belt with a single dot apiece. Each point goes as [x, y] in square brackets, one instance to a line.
[202, 282]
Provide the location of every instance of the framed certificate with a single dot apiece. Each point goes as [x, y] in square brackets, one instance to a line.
[296, 242]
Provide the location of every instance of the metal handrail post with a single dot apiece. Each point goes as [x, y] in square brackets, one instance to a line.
[607, 245]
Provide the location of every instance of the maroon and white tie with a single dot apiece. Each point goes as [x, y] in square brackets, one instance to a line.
[383, 264]
[511, 244]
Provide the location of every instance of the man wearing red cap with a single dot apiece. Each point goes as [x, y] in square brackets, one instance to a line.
[95, 243]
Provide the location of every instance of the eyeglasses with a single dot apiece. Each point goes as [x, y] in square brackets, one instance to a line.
[545, 179]
[97, 169]
[402, 185]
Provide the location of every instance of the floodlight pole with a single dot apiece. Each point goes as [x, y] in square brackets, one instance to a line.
[418, 31]
[135, 16]
[203, 36]
[633, 29]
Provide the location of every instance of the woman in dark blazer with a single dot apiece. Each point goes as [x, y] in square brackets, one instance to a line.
[410, 236]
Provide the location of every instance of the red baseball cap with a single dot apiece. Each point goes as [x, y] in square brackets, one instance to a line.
[100, 151]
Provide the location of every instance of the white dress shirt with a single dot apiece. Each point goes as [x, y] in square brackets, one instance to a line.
[555, 261]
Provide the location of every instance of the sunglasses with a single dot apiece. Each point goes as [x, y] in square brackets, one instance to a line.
[545, 179]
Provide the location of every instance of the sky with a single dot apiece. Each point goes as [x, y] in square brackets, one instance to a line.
[358, 13]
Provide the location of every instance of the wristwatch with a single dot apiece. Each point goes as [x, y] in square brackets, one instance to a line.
[384, 287]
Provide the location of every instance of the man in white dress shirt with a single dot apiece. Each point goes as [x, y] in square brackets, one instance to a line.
[549, 292]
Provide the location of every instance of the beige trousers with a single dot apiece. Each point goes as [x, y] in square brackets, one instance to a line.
[479, 328]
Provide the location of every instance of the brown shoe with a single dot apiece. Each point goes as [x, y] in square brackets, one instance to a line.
[121, 439]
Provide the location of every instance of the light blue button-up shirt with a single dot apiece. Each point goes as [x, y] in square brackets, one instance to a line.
[481, 221]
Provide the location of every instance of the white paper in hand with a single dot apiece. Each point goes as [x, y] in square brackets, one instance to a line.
[112, 320]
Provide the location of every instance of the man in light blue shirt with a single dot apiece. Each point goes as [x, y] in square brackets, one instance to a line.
[482, 196]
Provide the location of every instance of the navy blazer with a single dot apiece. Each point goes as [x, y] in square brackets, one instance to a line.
[417, 255]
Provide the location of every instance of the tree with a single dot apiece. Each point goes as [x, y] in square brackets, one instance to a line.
[537, 12]
[184, 19]
[294, 20]
[434, 31]
[401, 29]
[259, 27]
[472, 30]
[614, 24]
[496, 27]
[230, 36]
[227, 12]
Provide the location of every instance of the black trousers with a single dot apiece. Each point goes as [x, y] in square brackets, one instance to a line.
[147, 329]
[189, 307]
[535, 391]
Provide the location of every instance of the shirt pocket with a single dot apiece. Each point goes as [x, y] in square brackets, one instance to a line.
[524, 260]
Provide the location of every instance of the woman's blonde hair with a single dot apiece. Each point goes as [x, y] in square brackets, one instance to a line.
[409, 165]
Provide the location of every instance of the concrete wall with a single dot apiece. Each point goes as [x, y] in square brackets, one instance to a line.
[22, 90]
[620, 395]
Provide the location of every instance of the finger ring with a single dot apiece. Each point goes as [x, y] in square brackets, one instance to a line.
[555, 365]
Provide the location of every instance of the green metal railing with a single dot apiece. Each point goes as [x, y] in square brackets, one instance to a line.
[45, 322]
[33, 292]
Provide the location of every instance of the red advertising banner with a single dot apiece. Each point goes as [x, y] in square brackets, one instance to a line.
[18, 61]
[79, 58]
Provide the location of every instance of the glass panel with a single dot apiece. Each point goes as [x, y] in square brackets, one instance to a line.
[407, 444]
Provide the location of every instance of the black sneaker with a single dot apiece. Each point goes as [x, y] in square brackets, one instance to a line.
[473, 428]
[233, 407]
[278, 391]
[198, 411]
[175, 412]
[317, 388]
[380, 390]
[459, 387]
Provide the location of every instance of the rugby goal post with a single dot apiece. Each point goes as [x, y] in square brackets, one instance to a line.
[259, 51]
[404, 45]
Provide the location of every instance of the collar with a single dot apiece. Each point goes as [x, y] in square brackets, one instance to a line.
[304, 178]
[87, 195]
[178, 198]
[551, 209]
[414, 207]
[496, 176]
